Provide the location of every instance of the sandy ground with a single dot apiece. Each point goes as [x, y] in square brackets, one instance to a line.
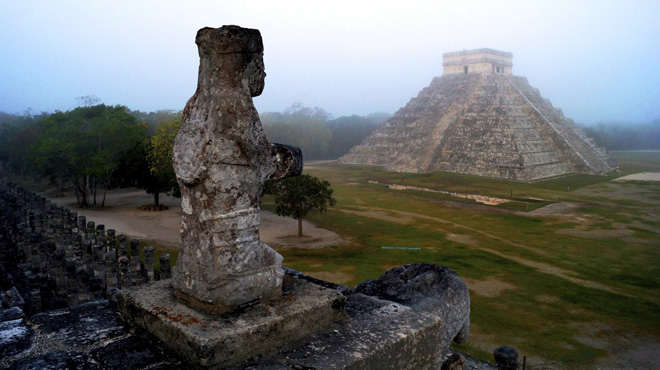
[643, 176]
[162, 228]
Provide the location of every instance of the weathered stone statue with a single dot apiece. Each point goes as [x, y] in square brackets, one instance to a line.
[221, 159]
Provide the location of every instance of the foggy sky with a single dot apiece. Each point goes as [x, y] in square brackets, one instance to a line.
[596, 60]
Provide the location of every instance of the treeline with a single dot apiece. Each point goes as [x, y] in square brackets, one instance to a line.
[97, 147]
[626, 136]
[92, 149]
[316, 132]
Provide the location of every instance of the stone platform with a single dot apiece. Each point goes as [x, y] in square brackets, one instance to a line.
[230, 339]
[404, 320]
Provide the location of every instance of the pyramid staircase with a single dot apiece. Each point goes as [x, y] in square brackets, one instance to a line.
[484, 124]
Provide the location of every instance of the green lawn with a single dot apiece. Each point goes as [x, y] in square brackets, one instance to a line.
[553, 278]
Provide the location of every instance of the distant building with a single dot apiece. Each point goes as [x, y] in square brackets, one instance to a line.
[480, 119]
[477, 61]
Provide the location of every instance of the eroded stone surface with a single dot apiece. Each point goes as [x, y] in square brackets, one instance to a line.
[454, 362]
[128, 353]
[506, 358]
[58, 360]
[87, 336]
[404, 320]
[15, 337]
[217, 341]
[80, 325]
[426, 287]
[221, 159]
[13, 313]
[377, 334]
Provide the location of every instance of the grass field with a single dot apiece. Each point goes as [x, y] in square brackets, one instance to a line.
[567, 285]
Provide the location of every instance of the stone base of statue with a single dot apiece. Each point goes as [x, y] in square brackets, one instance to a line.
[220, 341]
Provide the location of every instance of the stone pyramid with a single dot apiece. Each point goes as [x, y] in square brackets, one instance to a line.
[479, 119]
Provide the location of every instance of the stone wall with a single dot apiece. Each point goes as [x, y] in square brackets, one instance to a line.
[54, 258]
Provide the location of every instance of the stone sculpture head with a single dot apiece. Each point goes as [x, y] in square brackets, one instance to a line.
[242, 55]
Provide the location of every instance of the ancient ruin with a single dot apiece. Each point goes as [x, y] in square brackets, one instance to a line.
[53, 258]
[480, 119]
[230, 304]
[63, 315]
[221, 159]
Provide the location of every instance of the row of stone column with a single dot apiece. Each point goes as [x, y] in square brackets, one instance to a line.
[56, 258]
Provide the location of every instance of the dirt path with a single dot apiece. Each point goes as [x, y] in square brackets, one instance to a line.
[162, 228]
[644, 176]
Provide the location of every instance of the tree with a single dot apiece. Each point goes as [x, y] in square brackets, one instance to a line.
[315, 132]
[115, 131]
[300, 126]
[88, 100]
[83, 146]
[17, 133]
[154, 118]
[159, 158]
[297, 196]
[348, 131]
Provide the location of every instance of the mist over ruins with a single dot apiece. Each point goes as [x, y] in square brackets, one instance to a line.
[480, 119]
[476, 228]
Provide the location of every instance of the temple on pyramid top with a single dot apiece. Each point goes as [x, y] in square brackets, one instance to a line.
[477, 61]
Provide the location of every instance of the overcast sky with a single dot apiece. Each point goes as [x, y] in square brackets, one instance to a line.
[597, 60]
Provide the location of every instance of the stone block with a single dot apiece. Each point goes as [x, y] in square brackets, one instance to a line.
[80, 325]
[404, 320]
[57, 360]
[379, 334]
[128, 353]
[220, 341]
[15, 337]
[12, 313]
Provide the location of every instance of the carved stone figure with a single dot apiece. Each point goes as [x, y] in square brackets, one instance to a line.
[221, 160]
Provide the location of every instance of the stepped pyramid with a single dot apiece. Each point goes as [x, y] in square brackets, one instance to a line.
[479, 119]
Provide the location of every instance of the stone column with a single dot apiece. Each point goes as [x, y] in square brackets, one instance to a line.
[111, 268]
[90, 232]
[506, 358]
[82, 282]
[110, 236]
[73, 220]
[78, 247]
[165, 266]
[123, 248]
[66, 218]
[60, 272]
[100, 236]
[98, 253]
[82, 224]
[135, 261]
[71, 286]
[125, 279]
[149, 263]
[221, 160]
[87, 253]
[96, 288]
